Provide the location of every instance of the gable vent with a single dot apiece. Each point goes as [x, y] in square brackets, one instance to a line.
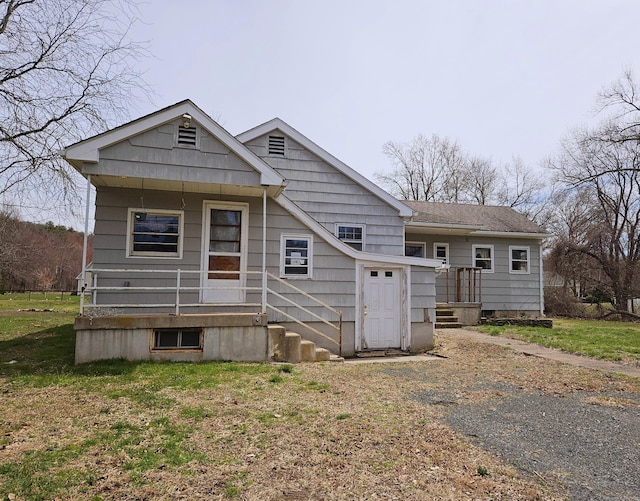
[186, 136]
[276, 146]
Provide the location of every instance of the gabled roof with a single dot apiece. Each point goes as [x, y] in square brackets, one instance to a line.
[472, 219]
[88, 150]
[285, 128]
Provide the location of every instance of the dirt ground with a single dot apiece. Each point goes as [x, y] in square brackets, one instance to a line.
[419, 430]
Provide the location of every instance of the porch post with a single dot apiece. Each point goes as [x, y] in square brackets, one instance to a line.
[85, 244]
[264, 250]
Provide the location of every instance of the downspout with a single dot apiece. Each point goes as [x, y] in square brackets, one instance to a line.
[264, 250]
[541, 281]
[85, 244]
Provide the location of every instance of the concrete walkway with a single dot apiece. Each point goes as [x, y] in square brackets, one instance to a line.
[516, 345]
[542, 352]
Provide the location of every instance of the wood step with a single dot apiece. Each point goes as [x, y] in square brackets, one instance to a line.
[448, 325]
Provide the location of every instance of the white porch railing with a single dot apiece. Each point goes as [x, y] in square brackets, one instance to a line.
[179, 288]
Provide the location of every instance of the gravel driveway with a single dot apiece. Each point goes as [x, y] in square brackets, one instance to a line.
[582, 442]
[592, 450]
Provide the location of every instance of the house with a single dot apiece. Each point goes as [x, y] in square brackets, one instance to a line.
[492, 258]
[214, 247]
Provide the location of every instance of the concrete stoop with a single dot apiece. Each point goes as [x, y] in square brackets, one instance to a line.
[287, 346]
[446, 319]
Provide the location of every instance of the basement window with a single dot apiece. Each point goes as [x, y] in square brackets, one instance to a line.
[276, 146]
[187, 136]
[177, 339]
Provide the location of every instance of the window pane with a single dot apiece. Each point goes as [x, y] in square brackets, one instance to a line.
[190, 339]
[520, 254]
[224, 263]
[519, 266]
[166, 339]
[414, 250]
[155, 233]
[296, 256]
[483, 253]
[225, 217]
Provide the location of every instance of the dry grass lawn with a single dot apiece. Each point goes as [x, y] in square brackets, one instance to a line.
[321, 431]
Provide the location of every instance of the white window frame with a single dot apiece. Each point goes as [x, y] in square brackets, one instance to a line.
[417, 244]
[283, 255]
[511, 260]
[351, 241]
[492, 252]
[156, 255]
[446, 251]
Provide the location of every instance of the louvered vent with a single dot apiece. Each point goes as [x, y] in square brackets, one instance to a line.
[276, 146]
[186, 136]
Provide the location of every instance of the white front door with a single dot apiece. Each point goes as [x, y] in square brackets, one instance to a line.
[381, 308]
[224, 252]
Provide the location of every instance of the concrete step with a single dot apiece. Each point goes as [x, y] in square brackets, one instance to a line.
[307, 351]
[448, 325]
[443, 312]
[290, 347]
[446, 319]
[322, 355]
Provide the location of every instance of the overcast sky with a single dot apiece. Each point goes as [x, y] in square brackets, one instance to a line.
[503, 78]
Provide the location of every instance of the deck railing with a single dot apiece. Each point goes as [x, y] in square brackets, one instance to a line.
[464, 285]
[289, 296]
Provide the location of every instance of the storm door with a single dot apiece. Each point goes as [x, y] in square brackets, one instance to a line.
[224, 252]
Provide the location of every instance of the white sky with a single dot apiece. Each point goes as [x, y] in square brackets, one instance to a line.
[503, 77]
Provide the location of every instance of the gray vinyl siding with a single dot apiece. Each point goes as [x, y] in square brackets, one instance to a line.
[331, 197]
[333, 273]
[423, 292]
[154, 154]
[501, 290]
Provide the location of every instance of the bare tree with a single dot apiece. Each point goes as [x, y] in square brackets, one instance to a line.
[608, 174]
[67, 70]
[521, 188]
[428, 168]
[438, 170]
[483, 181]
[622, 101]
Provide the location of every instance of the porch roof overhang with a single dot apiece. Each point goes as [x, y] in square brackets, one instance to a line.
[177, 184]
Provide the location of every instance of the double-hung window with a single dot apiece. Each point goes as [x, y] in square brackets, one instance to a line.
[441, 252]
[483, 257]
[296, 253]
[351, 234]
[519, 260]
[155, 233]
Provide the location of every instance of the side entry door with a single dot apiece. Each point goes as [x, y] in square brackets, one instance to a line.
[224, 252]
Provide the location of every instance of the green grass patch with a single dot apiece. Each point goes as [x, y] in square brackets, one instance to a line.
[595, 338]
[57, 301]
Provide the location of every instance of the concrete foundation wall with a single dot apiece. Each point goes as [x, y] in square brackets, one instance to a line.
[225, 337]
[422, 337]
[467, 313]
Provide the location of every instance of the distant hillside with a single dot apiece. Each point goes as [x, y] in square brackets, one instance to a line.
[39, 256]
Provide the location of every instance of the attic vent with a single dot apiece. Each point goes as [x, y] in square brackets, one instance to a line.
[276, 146]
[186, 136]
